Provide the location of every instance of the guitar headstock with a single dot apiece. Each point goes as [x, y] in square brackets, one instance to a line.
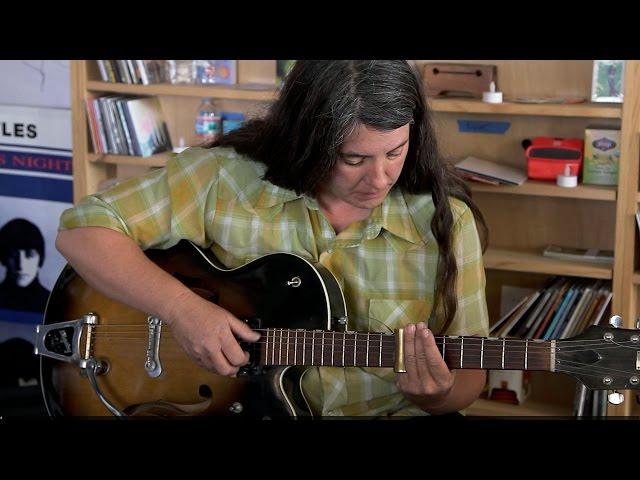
[603, 358]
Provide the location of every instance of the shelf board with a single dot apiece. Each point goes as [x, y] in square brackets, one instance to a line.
[266, 92]
[158, 160]
[468, 105]
[252, 92]
[491, 408]
[547, 189]
[533, 261]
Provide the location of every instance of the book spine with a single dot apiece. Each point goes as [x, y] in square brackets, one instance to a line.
[111, 149]
[92, 125]
[598, 319]
[103, 139]
[558, 314]
[144, 78]
[135, 138]
[125, 127]
[111, 71]
[103, 70]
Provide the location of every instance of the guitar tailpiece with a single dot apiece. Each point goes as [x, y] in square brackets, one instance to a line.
[91, 368]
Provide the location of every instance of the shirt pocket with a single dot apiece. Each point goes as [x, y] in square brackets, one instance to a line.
[385, 315]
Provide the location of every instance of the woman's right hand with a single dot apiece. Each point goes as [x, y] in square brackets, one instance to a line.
[208, 333]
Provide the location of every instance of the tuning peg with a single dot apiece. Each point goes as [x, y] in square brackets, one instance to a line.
[615, 321]
[616, 398]
[638, 323]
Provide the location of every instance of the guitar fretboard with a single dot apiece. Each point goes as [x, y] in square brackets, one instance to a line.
[373, 349]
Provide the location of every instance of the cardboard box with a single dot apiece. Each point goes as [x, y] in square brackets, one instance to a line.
[601, 156]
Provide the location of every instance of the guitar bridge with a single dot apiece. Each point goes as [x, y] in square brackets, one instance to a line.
[61, 341]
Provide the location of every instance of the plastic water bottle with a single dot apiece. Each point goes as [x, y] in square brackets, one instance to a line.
[208, 122]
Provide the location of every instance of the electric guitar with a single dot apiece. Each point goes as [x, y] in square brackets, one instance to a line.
[101, 357]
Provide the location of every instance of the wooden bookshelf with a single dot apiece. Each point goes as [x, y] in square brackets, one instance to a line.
[465, 105]
[532, 261]
[536, 213]
[548, 189]
[522, 220]
[248, 92]
[158, 160]
[491, 408]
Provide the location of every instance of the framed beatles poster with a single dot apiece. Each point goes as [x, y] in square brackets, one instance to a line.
[35, 187]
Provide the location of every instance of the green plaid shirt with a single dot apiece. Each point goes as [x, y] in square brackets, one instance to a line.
[386, 264]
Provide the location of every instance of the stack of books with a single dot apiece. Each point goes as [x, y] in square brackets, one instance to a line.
[127, 125]
[594, 255]
[472, 168]
[142, 72]
[562, 309]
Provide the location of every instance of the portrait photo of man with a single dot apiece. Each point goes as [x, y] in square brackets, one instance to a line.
[22, 253]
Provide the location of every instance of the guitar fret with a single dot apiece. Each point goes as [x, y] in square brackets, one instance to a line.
[526, 353]
[288, 344]
[304, 345]
[322, 350]
[504, 340]
[355, 347]
[266, 348]
[273, 348]
[444, 346]
[367, 360]
[344, 342]
[380, 354]
[313, 344]
[461, 350]
[280, 348]
[333, 346]
[481, 352]
[295, 349]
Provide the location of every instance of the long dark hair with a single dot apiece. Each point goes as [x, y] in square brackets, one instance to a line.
[320, 104]
[20, 234]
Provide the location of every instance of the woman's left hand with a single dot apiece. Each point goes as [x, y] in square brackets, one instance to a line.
[427, 381]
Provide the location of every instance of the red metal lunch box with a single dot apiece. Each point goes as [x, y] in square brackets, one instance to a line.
[547, 157]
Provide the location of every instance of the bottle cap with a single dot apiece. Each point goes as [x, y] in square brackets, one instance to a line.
[567, 180]
[492, 96]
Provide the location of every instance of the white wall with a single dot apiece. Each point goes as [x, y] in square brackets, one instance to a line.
[35, 83]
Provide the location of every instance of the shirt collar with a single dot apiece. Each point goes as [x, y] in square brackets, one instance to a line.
[273, 195]
[395, 216]
[400, 214]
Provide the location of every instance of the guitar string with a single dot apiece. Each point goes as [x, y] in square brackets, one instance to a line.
[374, 343]
[374, 349]
[389, 360]
[579, 370]
[602, 369]
[488, 355]
[304, 343]
[390, 337]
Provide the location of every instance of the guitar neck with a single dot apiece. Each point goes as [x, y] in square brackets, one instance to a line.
[372, 349]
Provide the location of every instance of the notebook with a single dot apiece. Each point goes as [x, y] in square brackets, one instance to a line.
[492, 171]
